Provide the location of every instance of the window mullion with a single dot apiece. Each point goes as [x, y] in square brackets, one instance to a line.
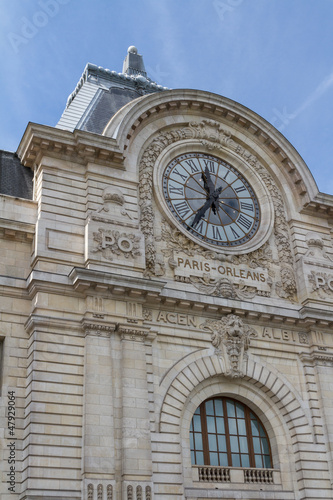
[249, 436]
[204, 431]
[227, 435]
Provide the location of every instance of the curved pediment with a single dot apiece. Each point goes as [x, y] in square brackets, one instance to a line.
[249, 130]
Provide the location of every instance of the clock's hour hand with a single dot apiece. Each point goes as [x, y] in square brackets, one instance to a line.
[211, 202]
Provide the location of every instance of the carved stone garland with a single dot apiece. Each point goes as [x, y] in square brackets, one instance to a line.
[213, 137]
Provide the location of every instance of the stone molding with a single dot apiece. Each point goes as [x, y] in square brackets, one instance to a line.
[84, 279]
[48, 323]
[78, 146]
[202, 365]
[203, 103]
[137, 334]
[98, 329]
[317, 358]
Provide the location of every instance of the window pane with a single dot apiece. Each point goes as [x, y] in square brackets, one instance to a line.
[240, 410]
[241, 427]
[220, 425]
[222, 443]
[223, 459]
[234, 444]
[232, 425]
[230, 408]
[265, 446]
[267, 461]
[211, 424]
[191, 426]
[214, 459]
[200, 458]
[256, 445]
[243, 444]
[197, 423]
[198, 441]
[235, 460]
[218, 407]
[209, 408]
[212, 444]
[258, 461]
[262, 432]
[245, 460]
[192, 458]
[254, 428]
[191, 441]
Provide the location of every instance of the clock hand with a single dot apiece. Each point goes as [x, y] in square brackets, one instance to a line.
[212, 200]
[208, 183]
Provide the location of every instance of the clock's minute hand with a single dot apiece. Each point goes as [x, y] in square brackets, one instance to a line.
[208, 183]
[210, 188]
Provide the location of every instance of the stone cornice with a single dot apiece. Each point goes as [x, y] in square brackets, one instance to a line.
[16, 230]
[320, 206]
[136, 333]
[317, 358]
[82, 279]
[153, 292]
[36, 321]
[78, 146]
[98, 328]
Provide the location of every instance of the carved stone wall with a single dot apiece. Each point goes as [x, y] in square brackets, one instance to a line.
[212, 136]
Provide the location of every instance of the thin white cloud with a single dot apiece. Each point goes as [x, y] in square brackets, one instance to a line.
[323, 87]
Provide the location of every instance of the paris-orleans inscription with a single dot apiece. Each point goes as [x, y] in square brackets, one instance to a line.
[184, 267]
[261, 333]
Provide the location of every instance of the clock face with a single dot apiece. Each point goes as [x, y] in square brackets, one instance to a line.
[211, 199]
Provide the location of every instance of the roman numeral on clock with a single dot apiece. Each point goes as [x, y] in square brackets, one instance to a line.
[243, 221]
[246, 206]
[216, 233]
[184, 177]
[210, 165]
[199, 227]
[236, 235]
[192, 166]
[175, 190]
[240, 189]
[182, 208]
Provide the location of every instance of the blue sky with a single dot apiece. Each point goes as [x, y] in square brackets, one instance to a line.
[273, 56]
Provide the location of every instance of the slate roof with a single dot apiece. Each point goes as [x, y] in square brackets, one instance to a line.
[100, 93]
[106, 104]
[15, 179]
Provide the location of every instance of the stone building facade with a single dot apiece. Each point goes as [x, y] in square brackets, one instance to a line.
[127, 304]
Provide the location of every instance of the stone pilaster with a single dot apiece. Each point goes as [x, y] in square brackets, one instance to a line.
[136, 438]
[98, 437]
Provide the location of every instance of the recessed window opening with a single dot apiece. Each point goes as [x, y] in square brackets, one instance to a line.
[225, 432]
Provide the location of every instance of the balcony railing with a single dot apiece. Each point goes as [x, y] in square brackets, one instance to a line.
[211, 474]
[258, 476]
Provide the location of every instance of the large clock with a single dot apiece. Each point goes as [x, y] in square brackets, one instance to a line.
[211, 200]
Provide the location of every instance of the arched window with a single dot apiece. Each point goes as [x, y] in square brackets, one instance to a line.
[225, 432]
